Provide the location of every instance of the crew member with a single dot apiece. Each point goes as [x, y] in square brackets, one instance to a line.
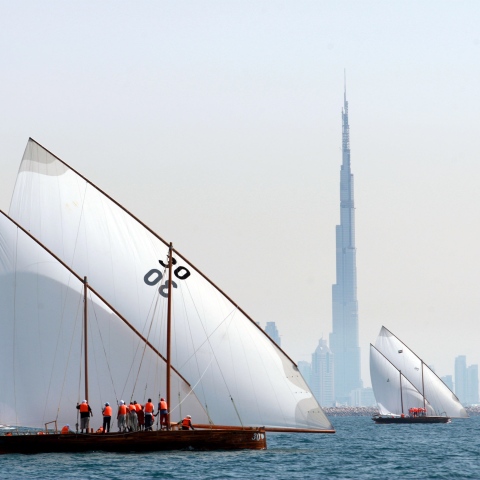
[65, 429]
[149, 408]
[85, 413]
[122, 417]
[163, 409]
[187, 423]
[133, 417]
[107, 416]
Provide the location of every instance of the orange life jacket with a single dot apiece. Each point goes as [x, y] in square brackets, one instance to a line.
[100, 430]
[131, 407]
[107, 411]
[122, 410]
[83, 407]
[149, 407]
[65, 429]
[138, 407]
[163, 405]
[186, 422]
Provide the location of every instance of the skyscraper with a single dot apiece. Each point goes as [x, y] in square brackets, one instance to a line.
[322, 376]
[272, 331]
[344, 337]
[461, 378]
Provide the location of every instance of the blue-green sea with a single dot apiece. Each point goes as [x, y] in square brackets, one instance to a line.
[359, 450]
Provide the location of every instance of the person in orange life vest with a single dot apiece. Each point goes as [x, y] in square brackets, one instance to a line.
[85, 412]
[141, 417]
[187, 423]
[163, 410]
[133, 417]
[122, 417]
[149, 408]
[100, 430]
[107, 416]
[65, 429]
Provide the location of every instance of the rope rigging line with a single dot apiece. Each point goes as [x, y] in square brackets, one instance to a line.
[77, 316]
[103, 347]
[207, 339]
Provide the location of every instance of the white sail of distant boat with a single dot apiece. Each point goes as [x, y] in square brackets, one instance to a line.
[401, 380]
[41, 345]
[239, 376]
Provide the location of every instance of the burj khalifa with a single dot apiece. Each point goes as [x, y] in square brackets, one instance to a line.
[344, 337]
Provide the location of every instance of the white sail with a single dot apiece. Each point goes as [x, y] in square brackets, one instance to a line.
[393, 392]
[42, 367]
[238, 374]
[439, 396]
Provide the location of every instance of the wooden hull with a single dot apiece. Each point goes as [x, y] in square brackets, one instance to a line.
[421, 419]
[232, 439]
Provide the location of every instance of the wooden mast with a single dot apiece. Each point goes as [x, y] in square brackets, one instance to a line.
[423, 391]
[401, 393]
[169, 330]
[85, 334]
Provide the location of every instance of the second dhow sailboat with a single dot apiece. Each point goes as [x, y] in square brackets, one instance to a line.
[407, 390]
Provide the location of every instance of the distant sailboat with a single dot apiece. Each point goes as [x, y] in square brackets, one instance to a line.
[226, 372]
[407, 390]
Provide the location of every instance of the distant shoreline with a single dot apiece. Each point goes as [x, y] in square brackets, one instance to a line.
[370, 411]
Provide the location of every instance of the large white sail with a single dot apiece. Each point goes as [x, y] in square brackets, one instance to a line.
[393, 392]
[42, 346]
[439, 396]
[238, 374]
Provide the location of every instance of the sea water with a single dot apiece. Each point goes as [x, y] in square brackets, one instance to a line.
[359, 450]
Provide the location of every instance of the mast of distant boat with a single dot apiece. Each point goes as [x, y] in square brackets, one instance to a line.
[423, 391]
[85, 334]
[169, 329]
[401, 393]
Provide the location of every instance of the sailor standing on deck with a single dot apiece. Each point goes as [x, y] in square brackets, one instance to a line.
[149, 415]
[122, 416]
[85, 412]
[163, 410]
[107, 416]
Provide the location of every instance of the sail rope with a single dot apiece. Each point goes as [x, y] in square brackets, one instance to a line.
[77, 316]
[207, 340]
[104, 350]
[145, 345]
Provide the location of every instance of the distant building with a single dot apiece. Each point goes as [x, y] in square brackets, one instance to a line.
[344, 340]
[322, 376]
[461, 378]
[305, 369]
[362, 397]
[272, 331]
[448, 381]
[472, 385]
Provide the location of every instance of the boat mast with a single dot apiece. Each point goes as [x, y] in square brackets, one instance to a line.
[85, 336]
[401, 393]
[423, 390]
[169, 328]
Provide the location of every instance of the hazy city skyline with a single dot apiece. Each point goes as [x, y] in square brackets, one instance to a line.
[218, 124]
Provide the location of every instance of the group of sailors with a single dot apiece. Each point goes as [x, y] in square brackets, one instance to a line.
[130, 418]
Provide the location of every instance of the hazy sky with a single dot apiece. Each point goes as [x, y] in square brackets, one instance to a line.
[218, 123]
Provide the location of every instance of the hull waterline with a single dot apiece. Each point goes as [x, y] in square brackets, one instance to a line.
[248, 438]
[422, 420]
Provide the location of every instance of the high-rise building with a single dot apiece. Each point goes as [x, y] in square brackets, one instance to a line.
[322, 376]
[344, 337]
[472, 385]
[305, 369]
[272, 331]
[448, 381]
[461, 378]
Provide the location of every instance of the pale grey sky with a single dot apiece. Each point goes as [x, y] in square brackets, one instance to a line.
[218, 123]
